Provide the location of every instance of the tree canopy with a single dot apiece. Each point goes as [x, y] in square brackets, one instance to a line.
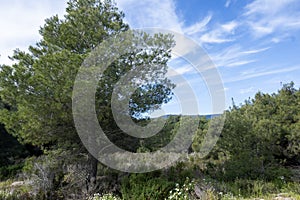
[259, 136]
[38, 87]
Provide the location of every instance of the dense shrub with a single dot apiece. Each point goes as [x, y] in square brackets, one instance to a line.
[10, 171]
[145, 186]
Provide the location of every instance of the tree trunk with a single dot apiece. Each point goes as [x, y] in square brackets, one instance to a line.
[92, 172]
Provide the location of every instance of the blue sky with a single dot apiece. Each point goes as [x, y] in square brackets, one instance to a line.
[254, 44]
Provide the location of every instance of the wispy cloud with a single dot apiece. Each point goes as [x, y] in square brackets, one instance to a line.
[227, 4]
[235, 55]
[280, 38]
[229, 27]
[257, 73]
[240, 63]
[150, 13]
[267, 16]
[220, 34]
[198, 27]
[179, 71]
[247, 90]
[254, 51]
[267, 7]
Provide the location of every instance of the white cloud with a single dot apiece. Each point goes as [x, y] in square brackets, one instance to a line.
[257, 73]
[267, 16]
[280, 38]
[247, 90]
[221, 34]
[214, 37]
[239, 63]
[150, 13]
[21, 21]
[267, 7]
[230, 26]
[198, 27]
[179, 71]
[254, 51]
[235, 55]
[227, 4]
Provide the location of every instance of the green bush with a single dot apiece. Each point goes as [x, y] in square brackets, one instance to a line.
[145, 186]
[54, 176]
[179, 172]
[14, 192]
[253, 188]
[10, 171]
[6, 195]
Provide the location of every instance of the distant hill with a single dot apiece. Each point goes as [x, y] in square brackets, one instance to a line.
[210, 116]
[206, 116]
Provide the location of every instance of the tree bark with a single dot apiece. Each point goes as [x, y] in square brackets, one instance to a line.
[92, 172]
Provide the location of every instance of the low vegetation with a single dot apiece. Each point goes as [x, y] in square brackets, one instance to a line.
[257, 155]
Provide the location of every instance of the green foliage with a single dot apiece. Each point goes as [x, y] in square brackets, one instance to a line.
[11, 151]
[38, 88]
[87, 23]
[8, 191]
[180, 171]
[46, 175]
[10, 171]
[259, 138]
[258, 141]
[159, 184]
[183, 192]
[145, 186]
[6, 195]
[58, 174]
[163, 137]
[242, 188]
[40, 85]
[200, 133]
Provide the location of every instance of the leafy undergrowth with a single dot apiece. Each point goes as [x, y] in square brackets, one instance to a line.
[13, 190]
[207, 189]
[191, 191]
